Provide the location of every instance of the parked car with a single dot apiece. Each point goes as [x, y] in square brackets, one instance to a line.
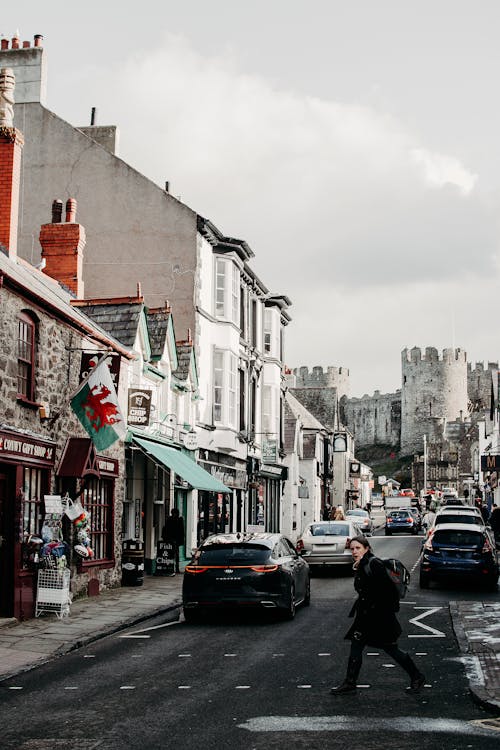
[362, 519]
[259, 570]
[407, 492]
[461, 551]
[400, 520]
[327, 543]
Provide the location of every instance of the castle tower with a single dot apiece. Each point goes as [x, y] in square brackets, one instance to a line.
[433, 392]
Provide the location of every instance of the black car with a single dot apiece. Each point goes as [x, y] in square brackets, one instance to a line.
[461, 551]
[255, 570]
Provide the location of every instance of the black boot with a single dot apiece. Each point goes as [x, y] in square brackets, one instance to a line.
[349, 684]
[417, 679]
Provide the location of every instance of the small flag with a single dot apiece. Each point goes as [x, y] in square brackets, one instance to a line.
[96, 406]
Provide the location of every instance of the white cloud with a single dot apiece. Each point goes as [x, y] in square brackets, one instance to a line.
[367, 229]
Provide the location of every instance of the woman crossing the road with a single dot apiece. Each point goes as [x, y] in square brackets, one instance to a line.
[375, 622]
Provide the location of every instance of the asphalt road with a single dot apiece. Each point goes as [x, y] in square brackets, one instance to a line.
[255, 683]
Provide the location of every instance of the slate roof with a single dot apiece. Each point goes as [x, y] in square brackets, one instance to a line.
[121, 319]
[158, 327]
[309, 422]
[51, 294]
[184, 350]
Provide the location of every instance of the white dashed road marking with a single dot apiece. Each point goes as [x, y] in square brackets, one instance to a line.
[127, 687]
[15, 687]
[242, 687]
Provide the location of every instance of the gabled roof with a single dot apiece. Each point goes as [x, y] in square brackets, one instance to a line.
[47, 294]
[158, 324]
[290, 429]
[120, 319]
[184, 357]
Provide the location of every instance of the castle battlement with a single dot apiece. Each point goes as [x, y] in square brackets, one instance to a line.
[480, 368]
[431, 356]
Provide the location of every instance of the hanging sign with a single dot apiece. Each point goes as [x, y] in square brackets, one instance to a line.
[90, 360]
[139, 406]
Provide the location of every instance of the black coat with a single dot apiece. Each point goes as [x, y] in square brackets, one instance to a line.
[173, 531]
[375, 622]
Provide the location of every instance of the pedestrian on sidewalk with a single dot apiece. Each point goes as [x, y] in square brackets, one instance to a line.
[173, 533]
[375, 622]
[339, 514]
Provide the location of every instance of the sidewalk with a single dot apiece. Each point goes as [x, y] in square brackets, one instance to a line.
[28, 644]
[477, 629]
[24, 645]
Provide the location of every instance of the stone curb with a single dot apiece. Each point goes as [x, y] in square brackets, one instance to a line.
[479, 692]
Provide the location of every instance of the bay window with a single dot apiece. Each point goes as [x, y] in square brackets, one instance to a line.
[225, 388]
[227, 290]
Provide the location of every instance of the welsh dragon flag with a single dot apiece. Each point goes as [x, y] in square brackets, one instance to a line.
[96, 406]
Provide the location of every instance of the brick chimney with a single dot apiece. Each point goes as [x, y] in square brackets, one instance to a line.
[62, 247]
[11, 146]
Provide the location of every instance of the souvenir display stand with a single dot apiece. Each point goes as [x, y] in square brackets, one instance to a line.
[53, 590]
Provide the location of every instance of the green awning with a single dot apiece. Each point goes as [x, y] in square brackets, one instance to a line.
[182, 465]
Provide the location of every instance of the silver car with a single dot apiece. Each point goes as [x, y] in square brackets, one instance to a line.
[327, 543]
[362, 519]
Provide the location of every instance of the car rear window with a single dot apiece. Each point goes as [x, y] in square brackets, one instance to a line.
[234, 554]
[452, 518]
[399, 514]
[357, 513]
[325, 529]
[458, 538]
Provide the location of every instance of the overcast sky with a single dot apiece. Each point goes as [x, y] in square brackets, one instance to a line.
[353, 144]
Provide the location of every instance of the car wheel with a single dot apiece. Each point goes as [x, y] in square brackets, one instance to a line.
[289, 611]
[424, 581]
[191, 616]
[307, 597]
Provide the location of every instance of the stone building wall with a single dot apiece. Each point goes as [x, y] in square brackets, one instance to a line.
[433, 392]
[57, 370]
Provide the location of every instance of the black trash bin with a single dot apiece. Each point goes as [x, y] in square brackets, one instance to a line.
[132, 563]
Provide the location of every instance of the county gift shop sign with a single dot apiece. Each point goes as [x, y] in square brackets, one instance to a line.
[19, 446]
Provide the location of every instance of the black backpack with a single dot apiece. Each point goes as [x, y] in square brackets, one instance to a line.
[397, 573]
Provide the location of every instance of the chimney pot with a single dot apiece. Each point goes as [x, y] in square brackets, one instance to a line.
[4, 44]
[71, 210]
[93, 116]
[38, 39]
[26, 45]
[167, 186]
[57, 206]
[15, 42]
[139, 290]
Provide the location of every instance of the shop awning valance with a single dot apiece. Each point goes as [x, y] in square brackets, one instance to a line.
[78, 459]
[182, 465]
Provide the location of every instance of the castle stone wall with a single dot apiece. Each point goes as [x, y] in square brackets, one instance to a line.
[479, 385]
[317, 377]
[433, 392]
[374, 419]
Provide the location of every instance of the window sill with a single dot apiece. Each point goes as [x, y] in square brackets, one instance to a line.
[27, 402]
[84, 565]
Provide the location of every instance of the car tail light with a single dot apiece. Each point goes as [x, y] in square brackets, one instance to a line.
[195, 569]
[299, 546]
[428, 545]
[487, 546]
[264, 568]
[389, 520]
[347, 543]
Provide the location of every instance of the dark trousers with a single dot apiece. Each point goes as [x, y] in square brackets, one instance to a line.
[392, 649]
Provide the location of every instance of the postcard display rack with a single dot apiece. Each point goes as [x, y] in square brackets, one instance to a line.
[53, 590]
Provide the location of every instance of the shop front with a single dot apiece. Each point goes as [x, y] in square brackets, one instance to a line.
[26, 466]
[265, 497]
[196, 493]
[224, 513]
[90, 478]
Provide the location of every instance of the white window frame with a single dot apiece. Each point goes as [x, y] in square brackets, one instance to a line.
[225, 388]
[227, 290]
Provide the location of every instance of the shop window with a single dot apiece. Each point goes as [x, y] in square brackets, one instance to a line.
[32, 509]
[26, 358]
[98, 500]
